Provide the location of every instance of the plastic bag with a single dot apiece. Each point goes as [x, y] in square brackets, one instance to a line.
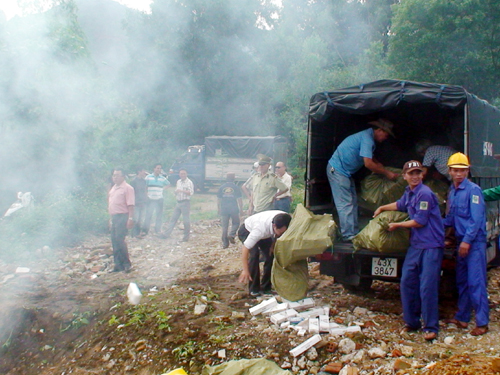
[376, 237]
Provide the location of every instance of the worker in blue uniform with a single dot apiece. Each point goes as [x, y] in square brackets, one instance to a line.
[422, 266]
[467, 215]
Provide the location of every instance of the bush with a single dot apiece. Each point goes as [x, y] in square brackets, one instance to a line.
[58, 220]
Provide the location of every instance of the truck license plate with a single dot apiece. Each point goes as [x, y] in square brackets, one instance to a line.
[387, 267]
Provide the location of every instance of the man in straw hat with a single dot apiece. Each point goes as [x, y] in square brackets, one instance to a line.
[353, 153]
[422, 265]
[467, 215]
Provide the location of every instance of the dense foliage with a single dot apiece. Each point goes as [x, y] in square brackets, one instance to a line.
[89, 85]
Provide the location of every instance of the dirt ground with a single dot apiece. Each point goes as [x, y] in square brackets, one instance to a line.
[69, 315]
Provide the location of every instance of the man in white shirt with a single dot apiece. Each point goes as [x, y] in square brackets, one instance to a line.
[258, 234]
[283, 201]
[183, 192]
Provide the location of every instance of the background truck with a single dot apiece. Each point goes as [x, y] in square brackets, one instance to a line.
[444, 114]
[209, 163]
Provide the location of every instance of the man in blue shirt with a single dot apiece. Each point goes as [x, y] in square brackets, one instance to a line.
[467, 215]
[422, 265]
[354, 152]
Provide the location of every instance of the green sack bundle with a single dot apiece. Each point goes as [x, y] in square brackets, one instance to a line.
[377, 190]
[291, 282]
[307, 235]
[256, 366]
[376, 237]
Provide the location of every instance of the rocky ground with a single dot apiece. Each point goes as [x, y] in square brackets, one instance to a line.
[69, 315]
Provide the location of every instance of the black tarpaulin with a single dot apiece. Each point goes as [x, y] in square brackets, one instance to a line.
[383, 95]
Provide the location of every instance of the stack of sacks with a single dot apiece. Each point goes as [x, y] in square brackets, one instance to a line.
[377, 190]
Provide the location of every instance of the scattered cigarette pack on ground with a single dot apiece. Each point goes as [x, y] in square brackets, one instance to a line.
[310, 319]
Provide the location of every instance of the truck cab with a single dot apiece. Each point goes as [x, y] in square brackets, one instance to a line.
[193, 161]
[445, 114]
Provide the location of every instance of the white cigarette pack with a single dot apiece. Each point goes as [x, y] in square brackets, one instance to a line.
[263, 306]
[339, 331]
[302, 304]
[283, 316]
[276, 309]
[285, 325]
[313, 325]
[314, 313]
[353, 329]
[309, 343]
[324, 323]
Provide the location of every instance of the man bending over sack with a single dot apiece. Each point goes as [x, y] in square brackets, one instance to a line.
[258, 234]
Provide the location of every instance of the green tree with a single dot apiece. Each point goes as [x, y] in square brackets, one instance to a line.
[449, 41]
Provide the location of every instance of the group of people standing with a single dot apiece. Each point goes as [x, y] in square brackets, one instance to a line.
[132, 206]
[466, 214]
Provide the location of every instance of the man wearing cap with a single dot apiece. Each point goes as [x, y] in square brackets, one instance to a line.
[353, 153]
[422, 265]
[283, 201]
[467, 215]
[266, 187]
[229, 205]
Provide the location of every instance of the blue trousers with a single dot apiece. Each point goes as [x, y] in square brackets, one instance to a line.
[344, 196]
[235, 223]
[420, 288]
[471, 283]
[154, 205]
[283, 204]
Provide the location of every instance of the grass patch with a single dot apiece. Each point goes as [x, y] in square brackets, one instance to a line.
[58, 220]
